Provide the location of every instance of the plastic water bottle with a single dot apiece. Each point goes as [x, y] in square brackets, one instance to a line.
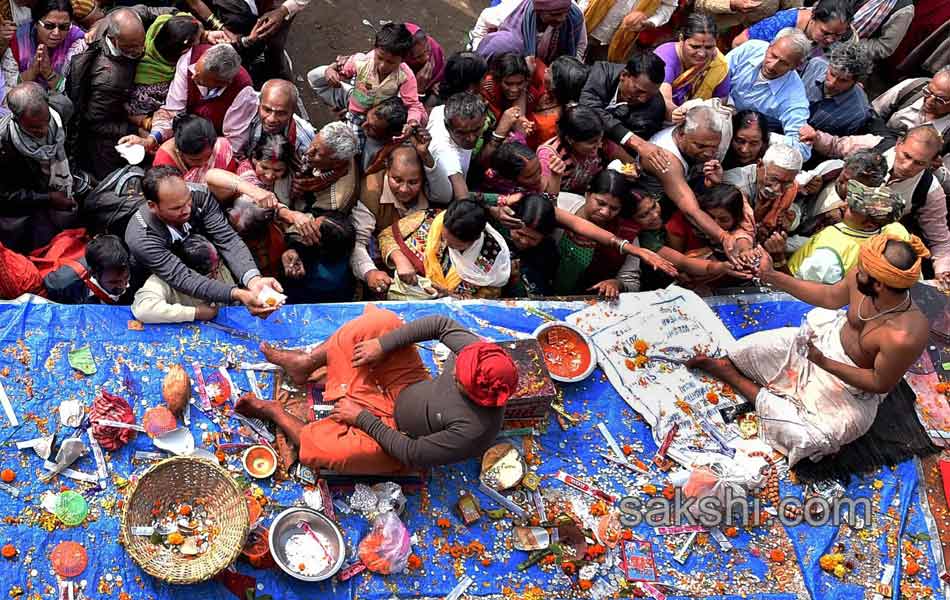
[804, 336]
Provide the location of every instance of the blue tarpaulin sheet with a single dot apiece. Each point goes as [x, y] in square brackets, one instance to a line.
[36, 338]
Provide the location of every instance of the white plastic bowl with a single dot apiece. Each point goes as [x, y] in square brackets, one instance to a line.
[590, 346]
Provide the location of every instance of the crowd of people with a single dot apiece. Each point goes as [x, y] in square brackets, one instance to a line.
[160, 158]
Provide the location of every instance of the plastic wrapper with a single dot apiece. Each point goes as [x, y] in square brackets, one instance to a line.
[385, 550]
[381, 498]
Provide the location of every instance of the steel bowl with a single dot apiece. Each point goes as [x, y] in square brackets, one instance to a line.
[285, 526]
[583, 336]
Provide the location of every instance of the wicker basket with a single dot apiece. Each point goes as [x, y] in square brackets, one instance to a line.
[177, 479]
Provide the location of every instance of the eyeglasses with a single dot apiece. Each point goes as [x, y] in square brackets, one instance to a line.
[64, 27]
[928, 93]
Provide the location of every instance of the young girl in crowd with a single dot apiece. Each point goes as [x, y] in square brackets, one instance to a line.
[724, 203]
[563, 81]
[571, 160]
[456, 249]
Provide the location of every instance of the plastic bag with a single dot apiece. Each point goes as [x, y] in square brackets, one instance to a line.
[724, 479]
[385, 550]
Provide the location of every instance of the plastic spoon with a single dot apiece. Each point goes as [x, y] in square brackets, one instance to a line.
[306, 527]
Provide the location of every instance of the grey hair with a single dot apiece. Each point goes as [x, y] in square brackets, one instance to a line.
[222, 60]
[868, 167]
[944, 70]
[783, 156]
[853, 59]
[341, 138]
[702, 118]
[465, 106]
[799, 40]
[114, 28]
[25, 97]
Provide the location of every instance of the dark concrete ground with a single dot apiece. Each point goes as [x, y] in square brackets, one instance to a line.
[328, 28]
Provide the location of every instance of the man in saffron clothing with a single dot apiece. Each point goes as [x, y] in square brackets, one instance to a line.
[818, 388]
[389, 415]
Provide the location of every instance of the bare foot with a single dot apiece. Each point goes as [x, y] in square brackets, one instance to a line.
[720, 368]
[250, 405]
[298, 364]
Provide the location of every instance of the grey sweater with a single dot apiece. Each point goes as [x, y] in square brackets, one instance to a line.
[150, 242]
[437, 424]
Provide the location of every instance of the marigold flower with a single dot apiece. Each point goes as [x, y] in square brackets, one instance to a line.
[730, 531]
[669, 492]
[9, 551]
[649, 488]
[641, 346]
[840, 571]
[912, 568]
[712, 398]
[585, 584]
[942, 387]
[627, 449]
[8, 475]
[443, 523]
[569, 568]
[777, 555]
[415, 562]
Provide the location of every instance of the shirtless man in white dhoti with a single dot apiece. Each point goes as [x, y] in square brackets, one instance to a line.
[816, 392]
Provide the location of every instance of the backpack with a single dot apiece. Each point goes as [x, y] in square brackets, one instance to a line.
[112, 203]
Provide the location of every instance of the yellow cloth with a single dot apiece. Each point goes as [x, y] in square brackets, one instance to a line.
[82, 8]
[433, 265]
[623, 40]
[841, 241]
[704, 78]
[878, 267]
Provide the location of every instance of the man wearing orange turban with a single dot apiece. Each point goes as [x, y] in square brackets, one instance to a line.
[388, 414]
[818, 387]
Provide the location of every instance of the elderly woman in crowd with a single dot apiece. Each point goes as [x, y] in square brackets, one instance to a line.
[695, 68]
[750, 139]
[195, 149]
[544, 29]
[42, 49]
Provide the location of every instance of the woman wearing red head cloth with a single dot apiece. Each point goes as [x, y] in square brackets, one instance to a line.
[389, 414]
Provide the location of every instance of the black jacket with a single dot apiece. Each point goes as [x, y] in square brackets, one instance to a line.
[598, 93]
[150, 242]
[100, 86]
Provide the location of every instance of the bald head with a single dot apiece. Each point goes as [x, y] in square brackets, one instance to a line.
[278, 101]
[405, 157]
[127, 33]
[937, 93]
[927, 135]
